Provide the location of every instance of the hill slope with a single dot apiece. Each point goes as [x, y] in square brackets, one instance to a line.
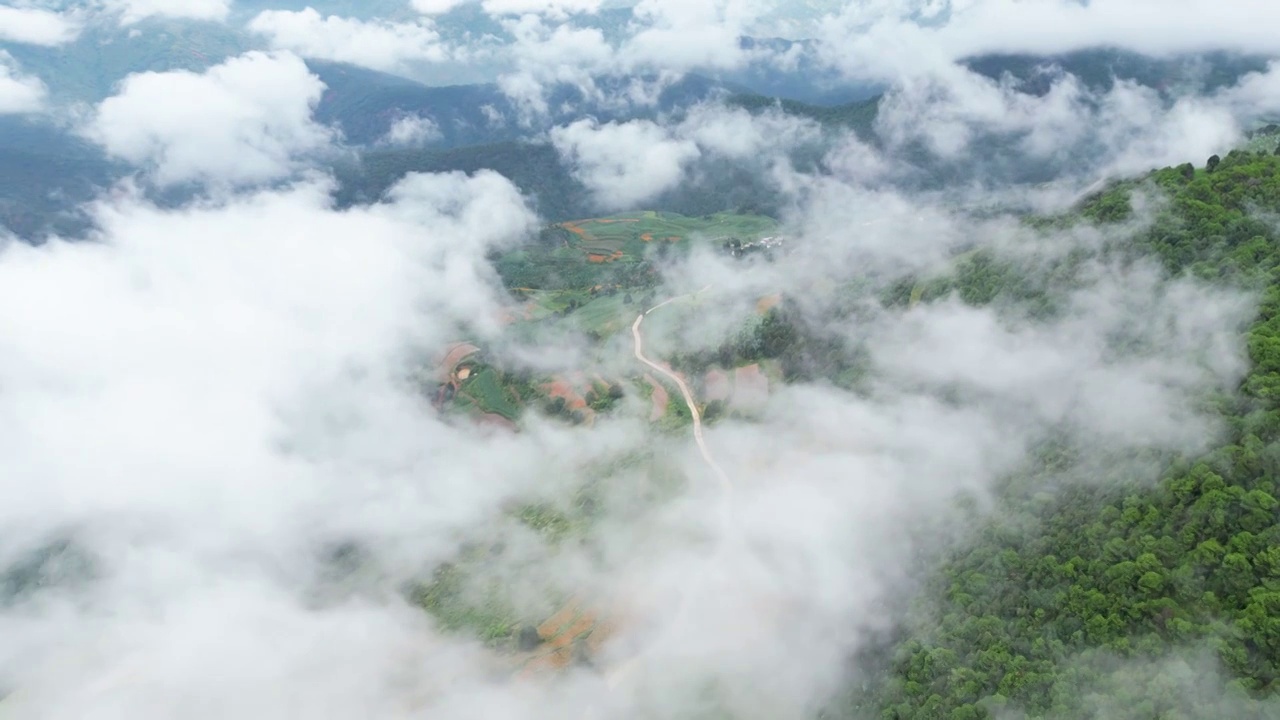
[1115, 591]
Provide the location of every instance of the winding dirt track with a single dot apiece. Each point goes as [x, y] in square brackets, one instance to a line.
[723, 477]
[614, 678]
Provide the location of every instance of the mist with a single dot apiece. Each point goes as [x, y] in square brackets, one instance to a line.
[230, 488]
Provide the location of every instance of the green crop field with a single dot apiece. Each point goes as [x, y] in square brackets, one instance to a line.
[486, 390]
[616, 251]
[604, 315]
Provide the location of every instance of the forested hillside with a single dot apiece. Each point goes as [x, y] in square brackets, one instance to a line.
[1136, 593]
[537, 169]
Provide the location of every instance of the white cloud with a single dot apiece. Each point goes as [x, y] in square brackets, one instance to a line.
[135, 10]
[231, 380]
[36, 26]
[624, 164]
[1148, 26]
[375, 44]
[19, 93]
[436, 7]
[682, 35]
[546, 54]
[239, 122]
[735, 134]
[411, 130]
[558, 9]
[882, 40]
[1062, 370]
[666, 38]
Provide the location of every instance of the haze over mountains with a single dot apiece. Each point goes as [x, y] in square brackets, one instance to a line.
[670, 358]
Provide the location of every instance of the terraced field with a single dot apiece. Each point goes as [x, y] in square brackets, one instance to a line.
[616, 251]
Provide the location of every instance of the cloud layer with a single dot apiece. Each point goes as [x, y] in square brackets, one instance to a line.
[378, 45]
[205, 399]
[240, 122]
[19, 93]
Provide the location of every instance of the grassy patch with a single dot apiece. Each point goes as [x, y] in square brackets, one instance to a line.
[486, 389]
[447, 599]
[547, 521]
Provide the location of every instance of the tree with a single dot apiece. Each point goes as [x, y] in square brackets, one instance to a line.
[1213, 163]
[556, 406]
[528, 638]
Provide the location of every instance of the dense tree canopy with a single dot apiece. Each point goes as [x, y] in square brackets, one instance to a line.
[1119, 584]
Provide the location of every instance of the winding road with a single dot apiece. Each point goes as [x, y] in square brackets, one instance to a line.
[721, 475]
[614, 678]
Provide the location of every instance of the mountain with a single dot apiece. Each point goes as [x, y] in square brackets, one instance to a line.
[88, 69]
[46, 172]
[365, 104]
[1068, 599]
[1099, 69]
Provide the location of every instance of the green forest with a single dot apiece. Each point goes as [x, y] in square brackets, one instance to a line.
[1107, 590]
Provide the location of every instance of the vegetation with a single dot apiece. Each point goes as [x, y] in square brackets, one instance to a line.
[459, 607]
[1108, 581]
[573, 262]
[485, 388]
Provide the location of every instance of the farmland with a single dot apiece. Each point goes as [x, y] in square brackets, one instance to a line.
[617, 251]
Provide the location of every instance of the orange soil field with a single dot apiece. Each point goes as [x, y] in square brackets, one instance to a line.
[660, 399]
[562, 388]
[598, 258]
[496, 421]
[551, 625]
[767, 303]
[716, 386]
[456, 353]
[582, 625]
[750, 386]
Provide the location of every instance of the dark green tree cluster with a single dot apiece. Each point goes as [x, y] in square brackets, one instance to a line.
[1135, 573]
[805, 350]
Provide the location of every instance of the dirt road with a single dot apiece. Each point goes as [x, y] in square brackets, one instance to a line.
[725, 485]
[616, 676]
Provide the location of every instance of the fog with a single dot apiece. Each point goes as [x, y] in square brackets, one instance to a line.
[207, 410]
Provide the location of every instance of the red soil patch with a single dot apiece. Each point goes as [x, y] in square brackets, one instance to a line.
[562, 388]
[582, 625]
[767, 303]
[647, 237]
[496, 421]
[572, 628]
[557, 660]
[660, 399]
[600, 635]
[716, 385]
[552, 625]
[750, 386]
[602, 258]
[573, 228]
[454, 355]
[673, 238]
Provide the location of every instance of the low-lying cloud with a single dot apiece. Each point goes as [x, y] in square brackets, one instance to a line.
[132, 11]
[381, 45]
[204, 401]
[624, 164]
[19, 93]
[36, 26]
[243, 121]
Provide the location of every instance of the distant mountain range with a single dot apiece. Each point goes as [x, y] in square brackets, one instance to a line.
[46, 171]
